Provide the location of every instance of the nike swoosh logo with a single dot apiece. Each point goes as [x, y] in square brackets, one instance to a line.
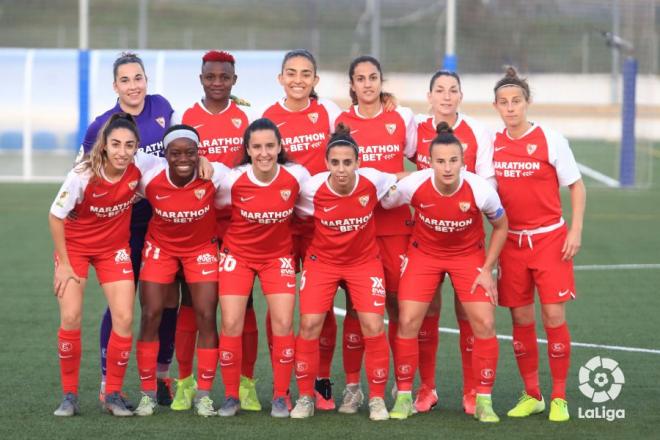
[378, 304]
[354, 347]
[326, 209]
[207, 272]
[427, 140]
[281, 124]
[159, 197]
[96, 196]
[301, 377]
[121, 364]
[198, 125]
[226, 364]
[283, 361]
[127, 270]
[354, 131]
[146, 377]
[485, 383]
[499, 148]
[424, 206]
[404, 378]
[379, 381]
[205, 377]
[563, 293]
[245, 199]
[67, 356]
[290, 284]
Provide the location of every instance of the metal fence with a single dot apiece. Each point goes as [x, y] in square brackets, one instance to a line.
[539, 36]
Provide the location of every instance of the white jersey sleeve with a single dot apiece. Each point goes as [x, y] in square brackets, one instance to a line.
[410, 149]
[148, 176]
[70, 194]
[145, 162]
[333, 112]
[299, 172]
[223, 195]
[561, 157]
[220, 170]
[176, 118]
[485, 195]
[406, 188]
[384, 182]
[305, 203]
[484, 163]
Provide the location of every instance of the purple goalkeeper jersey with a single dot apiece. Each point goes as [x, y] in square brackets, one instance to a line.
[152, 123]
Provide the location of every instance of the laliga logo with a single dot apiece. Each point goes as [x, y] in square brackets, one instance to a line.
[601, 379]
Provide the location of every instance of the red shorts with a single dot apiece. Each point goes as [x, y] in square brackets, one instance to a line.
[160, 267]
[277, 275]
[392, 252]
[521, 268]
[300, 246]
[423, 273]
[319, 282]
[110, 267]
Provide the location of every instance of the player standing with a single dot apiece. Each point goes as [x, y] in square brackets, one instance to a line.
[181, 234]
[448, 238]
[445, 96]
[220, 119]
[261, 192]
[153, 115]
[99, 192]
[306, 122]
[384, 139]
[531, 163]
[342, 202]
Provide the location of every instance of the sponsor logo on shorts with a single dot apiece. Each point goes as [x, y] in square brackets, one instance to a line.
[121, 256]
[206, 258]
[377, 287]
[286, 267]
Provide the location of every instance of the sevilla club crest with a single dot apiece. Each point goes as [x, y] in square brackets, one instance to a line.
[313, 117]
[237, 122]
[364, 200]
[161, 121]
[531, 148]
[285, 193]
[464, 206]
[391, 128]
[199, 193]
[132, 184]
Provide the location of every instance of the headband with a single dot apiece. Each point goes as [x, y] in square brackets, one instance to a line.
[343, 142]
[512, 85]
[180, 133]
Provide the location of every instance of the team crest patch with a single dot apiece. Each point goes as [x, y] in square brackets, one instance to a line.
[132, 184]
[464, 206]
[199, 193]
[391, 128]
[531, 148]
[285, 193]
[237, 122]
[465, 146]
[364, 200]
[161, 121]
[313, 117]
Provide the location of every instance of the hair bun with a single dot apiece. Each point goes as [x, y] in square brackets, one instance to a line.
[443, 128]
[343, 129]
[511, 72]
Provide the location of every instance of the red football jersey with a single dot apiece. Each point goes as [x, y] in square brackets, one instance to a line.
[220, 135]
[476, 139]
[529, 171]
[183, 221]
[447, 225]
[305, 133]
[260, 226]
[384, 141]
[344, 228]
[102, 208]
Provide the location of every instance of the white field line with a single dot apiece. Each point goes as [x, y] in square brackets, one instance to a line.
[597, 175]
[616, 266]
[341, 312]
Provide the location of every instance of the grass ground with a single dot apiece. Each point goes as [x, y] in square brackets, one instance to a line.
[614, 307]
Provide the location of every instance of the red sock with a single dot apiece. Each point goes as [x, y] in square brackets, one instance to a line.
[352, 349]
[559, 354]
[69, 350]
[250, 343]
[466, 343]
[269, 333]
[377, 364]
[185, 340]
[118, 353]
[207, 363]
[307, 365]
[392, 329]
[526, 350]
[147, 352]
[327, 343]
[484, 362]
[230, 354]
[405, 362]
[282, 362]
[428, 338]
